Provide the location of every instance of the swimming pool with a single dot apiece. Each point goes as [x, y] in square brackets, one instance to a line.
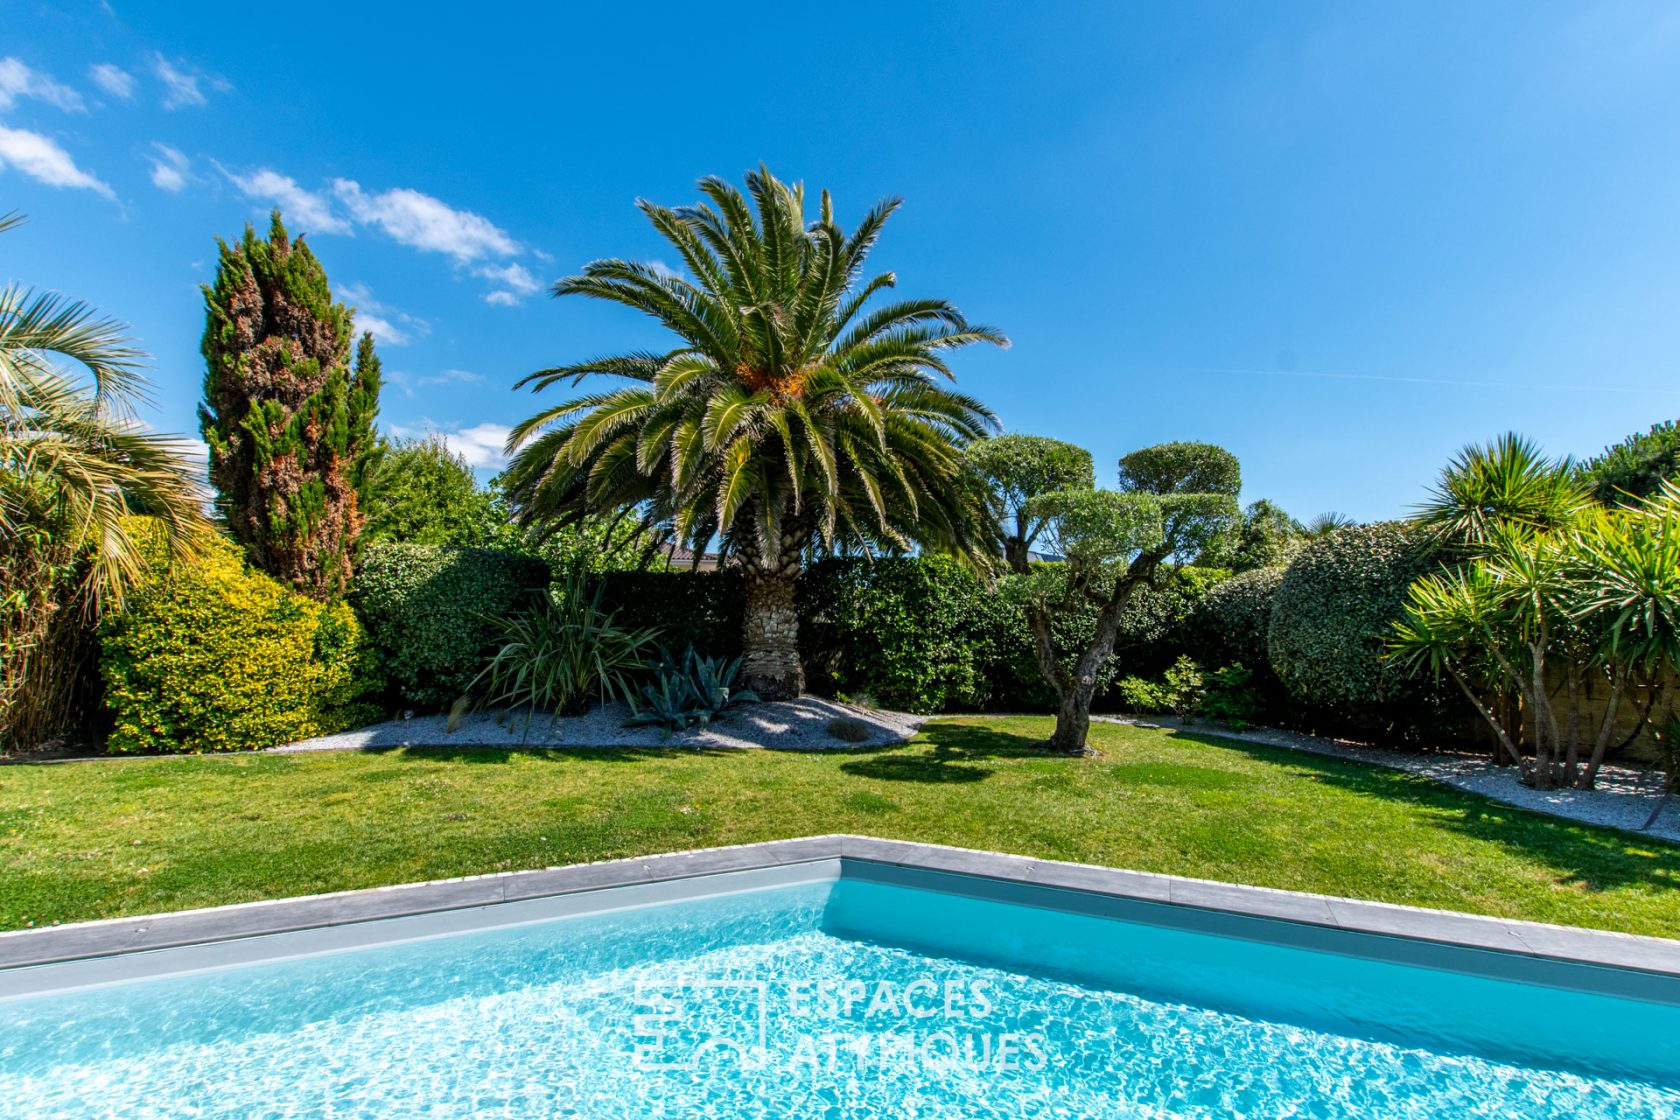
[842, 988]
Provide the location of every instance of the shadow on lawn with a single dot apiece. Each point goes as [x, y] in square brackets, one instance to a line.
[1587, 856]
[954, 752]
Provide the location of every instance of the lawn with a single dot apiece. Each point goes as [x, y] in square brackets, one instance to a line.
[108, 838]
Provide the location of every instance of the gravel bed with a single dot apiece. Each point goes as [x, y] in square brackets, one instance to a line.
[790, 725]
[1624, 797]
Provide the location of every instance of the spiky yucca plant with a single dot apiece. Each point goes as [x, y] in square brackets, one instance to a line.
[789, 416]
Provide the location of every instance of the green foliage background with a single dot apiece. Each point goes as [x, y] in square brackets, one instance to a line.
[1334, 612]
[432, 612]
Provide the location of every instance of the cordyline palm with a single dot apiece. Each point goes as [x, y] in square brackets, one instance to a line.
[1508, 484]
[790, 416]
[74, 464]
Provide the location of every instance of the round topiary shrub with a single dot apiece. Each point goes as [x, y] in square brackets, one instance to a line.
[1334, 611]
[431, 610]
[214, 656]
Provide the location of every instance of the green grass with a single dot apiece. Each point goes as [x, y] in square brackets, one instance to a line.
[107, 838]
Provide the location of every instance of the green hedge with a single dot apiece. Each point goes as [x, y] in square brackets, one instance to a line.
[430, 610]
[1230, 624]
[915, 634]
[1334, 612]
[702, 609]
[919, 634]
[218, 657]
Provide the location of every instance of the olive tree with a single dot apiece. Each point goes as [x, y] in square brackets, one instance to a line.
[1018, 469]
[1173, 499]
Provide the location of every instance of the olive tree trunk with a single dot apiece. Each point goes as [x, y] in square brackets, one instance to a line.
[1076, 688]
[770, 638]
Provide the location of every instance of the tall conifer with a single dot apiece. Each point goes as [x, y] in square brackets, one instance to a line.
[287, 414]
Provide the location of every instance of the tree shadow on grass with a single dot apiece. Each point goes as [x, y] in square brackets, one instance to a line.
[951, 753]
[1587, 856]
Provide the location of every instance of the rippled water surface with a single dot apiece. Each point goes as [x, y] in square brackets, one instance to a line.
[778, 1004]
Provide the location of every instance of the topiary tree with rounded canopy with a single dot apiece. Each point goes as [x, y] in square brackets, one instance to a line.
[1173, 500]
[790, 417]
[1017, 469]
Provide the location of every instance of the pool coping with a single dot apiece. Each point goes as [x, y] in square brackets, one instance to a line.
[1522, 939]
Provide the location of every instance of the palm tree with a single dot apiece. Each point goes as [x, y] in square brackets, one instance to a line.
[789, 417]
[1326, 525]
[74, 465]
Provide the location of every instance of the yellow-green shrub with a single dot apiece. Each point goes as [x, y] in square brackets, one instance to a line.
[218, 657]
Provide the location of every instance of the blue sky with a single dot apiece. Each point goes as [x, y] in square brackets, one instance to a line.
[1340, 239]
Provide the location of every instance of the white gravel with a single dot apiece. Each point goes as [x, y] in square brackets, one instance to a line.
[793, 725]
[1624, 797]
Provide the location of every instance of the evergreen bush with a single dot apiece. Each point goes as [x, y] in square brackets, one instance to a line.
[215, 656]
[432, 611]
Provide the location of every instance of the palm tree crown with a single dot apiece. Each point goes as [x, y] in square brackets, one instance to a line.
[791, 415]
[74, 465]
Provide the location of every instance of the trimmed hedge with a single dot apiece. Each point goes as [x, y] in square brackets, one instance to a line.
[921, 634]
[915, 634]
[1334, 612]
[1231, 623]
[218, 657]
[430, 611]
[702, 609]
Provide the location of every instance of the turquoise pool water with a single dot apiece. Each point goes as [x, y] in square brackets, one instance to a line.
[848, 999]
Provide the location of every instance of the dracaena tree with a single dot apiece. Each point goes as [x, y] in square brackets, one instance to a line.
[1571, 609]
[790, 414]
[1173, 500]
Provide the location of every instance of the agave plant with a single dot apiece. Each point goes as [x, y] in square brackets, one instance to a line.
[559, 656]
[787, 414]
[690, 691]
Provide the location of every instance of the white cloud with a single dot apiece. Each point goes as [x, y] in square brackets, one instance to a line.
[169, 167]
[389, 326]
[44, 161]
[480, 445]
[18, 80]
[452, 376]
[180, 83]
[423, 222]
[516, 276]
[114, 80]
[304, 209]
[520, 283]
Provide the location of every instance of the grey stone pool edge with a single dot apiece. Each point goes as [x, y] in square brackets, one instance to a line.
[1401, 933]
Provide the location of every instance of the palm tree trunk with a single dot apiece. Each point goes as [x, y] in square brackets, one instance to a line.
[770, 638]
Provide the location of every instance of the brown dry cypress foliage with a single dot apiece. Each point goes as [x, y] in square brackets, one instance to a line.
[287, 415]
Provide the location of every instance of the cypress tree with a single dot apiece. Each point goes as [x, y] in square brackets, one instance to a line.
[287, 415]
